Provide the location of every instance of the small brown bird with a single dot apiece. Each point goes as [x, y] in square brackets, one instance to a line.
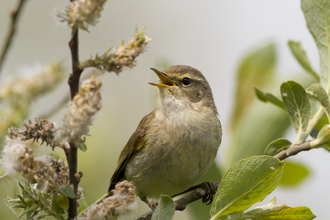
[175, 144]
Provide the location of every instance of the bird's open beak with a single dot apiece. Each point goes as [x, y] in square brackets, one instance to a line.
[165, 81]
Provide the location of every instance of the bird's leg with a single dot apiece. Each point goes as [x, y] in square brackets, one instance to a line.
[209, 188]
[152, 205]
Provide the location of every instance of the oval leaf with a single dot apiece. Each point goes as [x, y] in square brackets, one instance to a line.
[63, 201]
[317, 92]
[284, 212]
[68, 191]
[320, 124]
[323, 138]
[165, 209]
[82, 147]
[277, 146]
[318, 19]
[293, 174]
[268, 97]
[296, 102]
[56, 206]
[255, 69]
[300, 54]
[248, 181]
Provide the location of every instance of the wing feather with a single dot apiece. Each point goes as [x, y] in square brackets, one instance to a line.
[134, 144]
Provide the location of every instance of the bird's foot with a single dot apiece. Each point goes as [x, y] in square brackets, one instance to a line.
[210, 191]
[152, 205]
[209, 188]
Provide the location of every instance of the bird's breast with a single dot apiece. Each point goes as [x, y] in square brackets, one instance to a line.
[178, 151]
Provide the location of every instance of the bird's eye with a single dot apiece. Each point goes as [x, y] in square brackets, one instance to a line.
[186, 81]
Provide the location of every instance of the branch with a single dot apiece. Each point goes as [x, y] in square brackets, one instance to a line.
[76, 70]
[293, 150]
[11, 31]
[74, 89]
[182, 203]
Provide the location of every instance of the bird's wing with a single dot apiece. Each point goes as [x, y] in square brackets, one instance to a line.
[134, 144]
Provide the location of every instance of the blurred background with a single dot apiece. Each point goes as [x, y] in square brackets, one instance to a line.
[215, 37]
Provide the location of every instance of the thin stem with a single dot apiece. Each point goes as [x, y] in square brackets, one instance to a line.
[74, 89]
[73, 161]
[76, 71]
[182, 203]
[293, 150]
[318, 115]
[11, 31]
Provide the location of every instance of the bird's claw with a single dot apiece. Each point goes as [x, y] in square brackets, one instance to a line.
[210, 191]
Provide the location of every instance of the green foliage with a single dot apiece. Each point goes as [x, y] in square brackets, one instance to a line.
[165, 209]
[318, 20]
[248, 181]
[300, 54]
[323, 138]
[33, 201]
[318, 93]
[63, 201]
[283, 212]
[68, 191]
[252, 133]
[293, 174]
[256, 69]
[56, 207]
[277, 146]
[268, 97]
[82, 146]
[297, 104]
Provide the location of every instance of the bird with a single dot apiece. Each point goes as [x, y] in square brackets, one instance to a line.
[175, 144]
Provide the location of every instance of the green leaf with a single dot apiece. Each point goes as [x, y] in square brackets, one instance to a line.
[82, 146]
[260, 125]
[248, 181]
[297, 104]
[165, 209]
[277, 146]
[300, 54]
[282, 212]
[317, 92]
[257, 68]
[323, 138]
[263, 208]
[63, 201]
[29, 210]
[320, 124]
[268, 97]
[293, 174]
[318, 19]
[55, 205]
[68, 191]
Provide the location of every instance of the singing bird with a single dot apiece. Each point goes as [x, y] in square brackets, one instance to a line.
[175, 144]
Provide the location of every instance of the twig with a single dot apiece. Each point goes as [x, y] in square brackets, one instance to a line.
[73, 161]
[76, 71]
[293, 150]
[11, 32]
[182, 203]
[74, 89]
